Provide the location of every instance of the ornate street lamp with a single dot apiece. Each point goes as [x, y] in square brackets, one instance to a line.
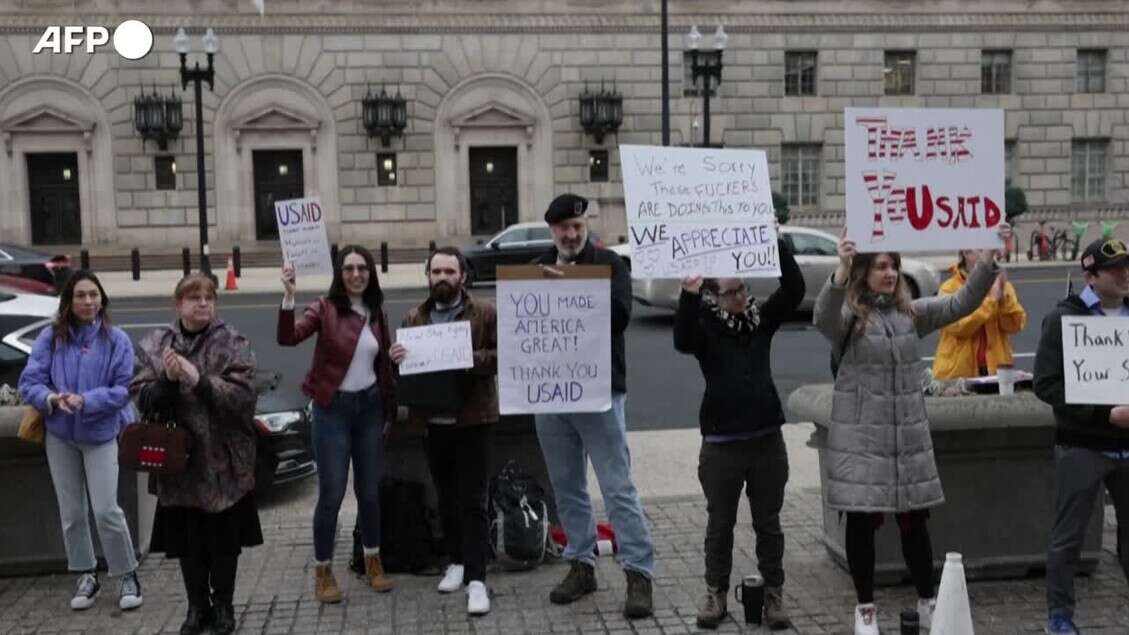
[384, 116]
[706, 66]
[197, 76]
[157, 117]
[602, 112]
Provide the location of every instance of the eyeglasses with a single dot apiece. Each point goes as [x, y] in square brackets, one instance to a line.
[730, 293]
[355, 269]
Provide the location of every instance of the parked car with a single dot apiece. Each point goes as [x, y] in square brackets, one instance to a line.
[50, 272]
[816, 253]
[517, 244]
[282, 422]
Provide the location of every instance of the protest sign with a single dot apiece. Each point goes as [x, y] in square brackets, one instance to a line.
[436, 347]
[301, 231]
[554, 340]
[924, 179]
[1095, 359]
[699, 211]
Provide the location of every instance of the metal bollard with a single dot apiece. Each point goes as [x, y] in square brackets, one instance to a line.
[622, 239]
[333, 255]
[431, 247]
[84, 260]
[186, 261]
[237, 261]
[135, 263]
[383, 257]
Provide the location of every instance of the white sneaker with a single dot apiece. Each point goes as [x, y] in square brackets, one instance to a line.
[85, 592]
[477, 598]
[452, 580]
[866, 619]
[130, 596]
[925, 610]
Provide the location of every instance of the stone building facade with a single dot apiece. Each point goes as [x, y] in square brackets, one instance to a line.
[492, 93]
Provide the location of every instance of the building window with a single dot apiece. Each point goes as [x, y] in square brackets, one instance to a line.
[1087, 174]
[386, 168]
[598, 166]
[165, 167]
[1009, 163]
[898, 72]
[799, 72]
[1089, 75]
[995, 72]
[800, 173]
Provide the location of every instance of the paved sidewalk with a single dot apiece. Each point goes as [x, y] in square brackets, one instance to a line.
[275, 587]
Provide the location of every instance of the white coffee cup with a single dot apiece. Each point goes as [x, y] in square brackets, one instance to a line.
[1005, 375]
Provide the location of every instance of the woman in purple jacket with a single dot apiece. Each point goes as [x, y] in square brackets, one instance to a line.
[78, 377]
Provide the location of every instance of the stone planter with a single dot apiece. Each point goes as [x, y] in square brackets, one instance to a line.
[995, 458]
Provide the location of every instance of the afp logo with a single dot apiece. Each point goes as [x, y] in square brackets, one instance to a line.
[133, 39]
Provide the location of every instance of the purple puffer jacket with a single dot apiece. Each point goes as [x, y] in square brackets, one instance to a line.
[93, 364]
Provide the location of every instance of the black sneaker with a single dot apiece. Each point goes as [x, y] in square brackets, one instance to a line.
[580, 581]
[638, 603]
[86, 591]
[130, 596]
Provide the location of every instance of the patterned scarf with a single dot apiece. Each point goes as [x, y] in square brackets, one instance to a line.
[746, 321]
[880, 301]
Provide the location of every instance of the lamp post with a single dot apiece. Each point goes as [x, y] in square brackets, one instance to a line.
[197, 76]
[706, 66]
[664, 25]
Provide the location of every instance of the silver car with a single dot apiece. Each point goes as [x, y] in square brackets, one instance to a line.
[816, 253]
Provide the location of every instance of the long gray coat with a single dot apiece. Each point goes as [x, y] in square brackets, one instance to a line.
[879, 450]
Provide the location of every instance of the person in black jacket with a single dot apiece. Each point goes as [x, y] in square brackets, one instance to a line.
[568, 439]
[1091, 441]
[730, 334]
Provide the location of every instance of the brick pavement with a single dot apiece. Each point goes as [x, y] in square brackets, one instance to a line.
[275, 591]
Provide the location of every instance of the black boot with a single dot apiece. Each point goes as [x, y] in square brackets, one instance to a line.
[195, 575]
[197, 621]
[580, 581]
[223, 589]
[638, 602]
[224, 619]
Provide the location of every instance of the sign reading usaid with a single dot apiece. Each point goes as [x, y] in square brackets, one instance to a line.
[301, 231]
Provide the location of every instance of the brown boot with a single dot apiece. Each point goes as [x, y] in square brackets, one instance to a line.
[775, 617]
[713, 609]
[374, 570]
[325, 585]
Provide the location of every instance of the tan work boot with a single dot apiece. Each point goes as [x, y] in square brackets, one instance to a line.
[713, 610]
[325, 585]
[374, 571]
[775, 617]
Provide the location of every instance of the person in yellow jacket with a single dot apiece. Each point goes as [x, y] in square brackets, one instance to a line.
[978, 344]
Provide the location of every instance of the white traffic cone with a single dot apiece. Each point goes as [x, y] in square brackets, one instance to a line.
[952, 615]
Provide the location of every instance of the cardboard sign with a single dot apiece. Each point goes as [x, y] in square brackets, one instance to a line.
[554, 339]
[924, 179]
[699, 211]
[436, 347]
[301, 231]
[1095, 359]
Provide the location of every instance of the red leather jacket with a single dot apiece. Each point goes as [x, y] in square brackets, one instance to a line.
[338, 333]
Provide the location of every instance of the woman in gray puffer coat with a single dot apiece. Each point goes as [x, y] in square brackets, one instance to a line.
[879, 450]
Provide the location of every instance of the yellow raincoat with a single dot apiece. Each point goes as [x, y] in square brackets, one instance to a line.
[956, 349]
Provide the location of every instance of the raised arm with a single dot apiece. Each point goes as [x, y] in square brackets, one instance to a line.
[791, 291]
[931, 314]
[291, 331]
[687, 327]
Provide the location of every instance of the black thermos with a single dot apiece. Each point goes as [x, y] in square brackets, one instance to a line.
[750, 593]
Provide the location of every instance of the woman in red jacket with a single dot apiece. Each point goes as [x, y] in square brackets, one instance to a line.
[351, 384]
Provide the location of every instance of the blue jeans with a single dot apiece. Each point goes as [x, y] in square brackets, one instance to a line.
[566, 439]
[352, 427]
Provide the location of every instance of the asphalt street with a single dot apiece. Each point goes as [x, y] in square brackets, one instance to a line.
[664, 387]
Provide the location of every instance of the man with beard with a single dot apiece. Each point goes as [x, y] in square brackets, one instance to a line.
[458, 431]
[566, 439]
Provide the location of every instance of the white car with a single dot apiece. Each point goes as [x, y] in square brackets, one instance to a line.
[816, 253]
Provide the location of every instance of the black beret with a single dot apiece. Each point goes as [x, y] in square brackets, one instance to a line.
[564, 207]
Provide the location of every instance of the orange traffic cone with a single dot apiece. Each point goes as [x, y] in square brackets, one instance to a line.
[230, 286]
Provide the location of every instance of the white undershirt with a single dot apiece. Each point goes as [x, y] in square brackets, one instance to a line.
[362, 371]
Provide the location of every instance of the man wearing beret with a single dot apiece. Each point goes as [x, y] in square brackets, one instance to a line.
[567, 438]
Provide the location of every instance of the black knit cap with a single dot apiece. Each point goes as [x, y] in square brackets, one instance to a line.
[564, 207]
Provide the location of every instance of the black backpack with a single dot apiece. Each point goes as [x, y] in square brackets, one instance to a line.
[837, 353]
[407, 542]
[519, 519]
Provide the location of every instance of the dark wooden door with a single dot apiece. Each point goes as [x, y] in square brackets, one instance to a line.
[56, 217]
[278, 177]
[493, 189]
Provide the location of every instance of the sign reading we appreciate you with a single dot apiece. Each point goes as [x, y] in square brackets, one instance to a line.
[699, 211]
[436, 347]
[924, 179]
[554, 340]
[1095, 359]
[301, 231]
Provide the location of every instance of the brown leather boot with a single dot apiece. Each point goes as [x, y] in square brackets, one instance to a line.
[325, 585]
[774, 614]
[374, 570]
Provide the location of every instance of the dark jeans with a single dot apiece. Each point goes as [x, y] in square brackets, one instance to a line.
[458, 459]
[352, 427]
[1079, 475]
[724, 469]
[917, 550]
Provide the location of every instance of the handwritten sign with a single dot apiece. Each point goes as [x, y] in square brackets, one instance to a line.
[699, 211]
[1095, 359]
[301, 230]
[436, 347]
[924, 179]
[554, 340]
